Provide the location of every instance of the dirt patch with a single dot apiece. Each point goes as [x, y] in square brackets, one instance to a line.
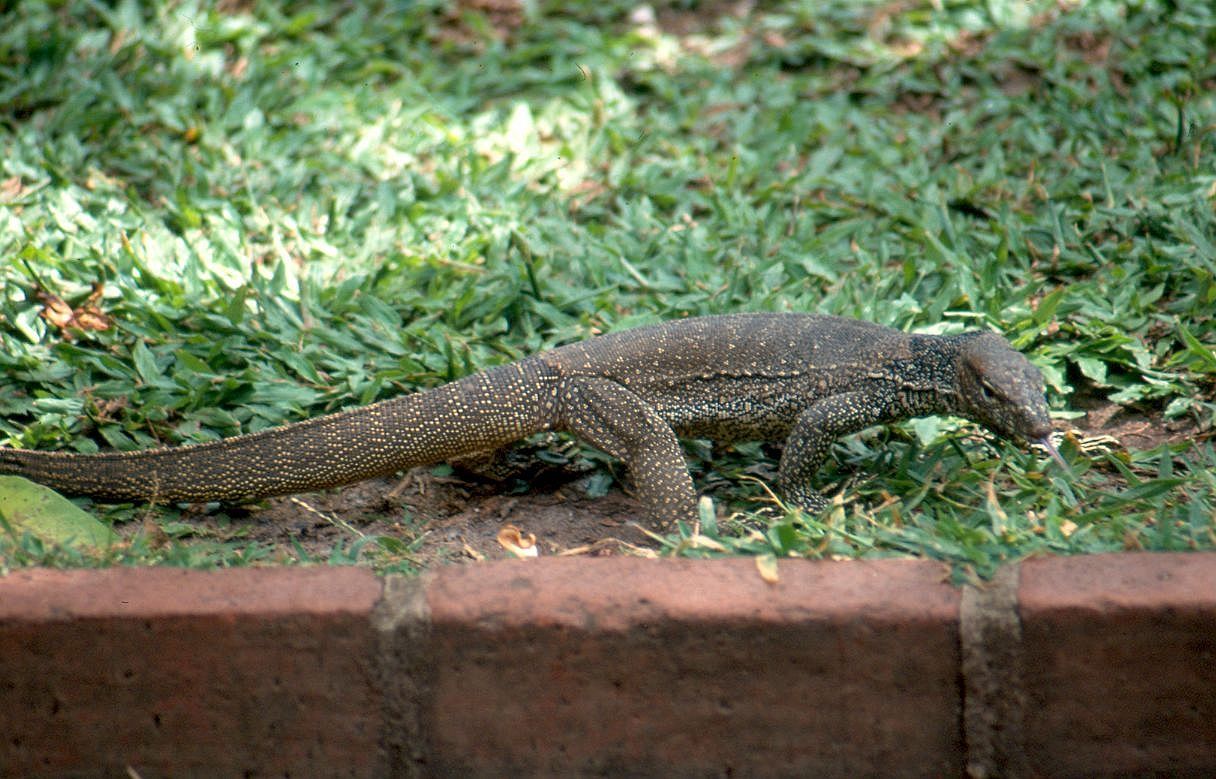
[702, 19]
[439, 518]
[1133, 428]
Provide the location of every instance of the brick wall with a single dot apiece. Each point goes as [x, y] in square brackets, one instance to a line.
[1100, 665]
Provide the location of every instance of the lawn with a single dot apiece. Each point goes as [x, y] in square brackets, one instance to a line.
[220, 217]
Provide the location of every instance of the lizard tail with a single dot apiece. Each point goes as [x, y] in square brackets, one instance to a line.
[484, 411]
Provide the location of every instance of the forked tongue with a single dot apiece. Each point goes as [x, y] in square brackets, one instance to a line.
[1046, 443]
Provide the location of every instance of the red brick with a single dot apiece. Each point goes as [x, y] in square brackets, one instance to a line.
[1120, 659]
[630, 666]
[174, 672]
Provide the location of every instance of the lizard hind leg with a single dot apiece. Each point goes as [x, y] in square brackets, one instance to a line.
[609, 416]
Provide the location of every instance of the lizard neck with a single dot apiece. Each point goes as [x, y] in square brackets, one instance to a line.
[931, 385]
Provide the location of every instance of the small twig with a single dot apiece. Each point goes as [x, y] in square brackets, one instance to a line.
[338, 522]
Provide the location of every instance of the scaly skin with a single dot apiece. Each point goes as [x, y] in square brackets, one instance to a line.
[801, 379]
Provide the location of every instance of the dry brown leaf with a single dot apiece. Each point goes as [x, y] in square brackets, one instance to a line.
[88, 316]
[156, 536]
[1000, 520]
[11, 189]
[767, 566]
[54, 309]
[514, 541]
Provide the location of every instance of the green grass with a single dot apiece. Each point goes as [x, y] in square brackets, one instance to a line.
[298, 210]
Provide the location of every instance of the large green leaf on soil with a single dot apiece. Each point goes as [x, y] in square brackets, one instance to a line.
[26, 506]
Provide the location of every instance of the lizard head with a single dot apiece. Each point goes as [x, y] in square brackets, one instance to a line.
[1000, 389]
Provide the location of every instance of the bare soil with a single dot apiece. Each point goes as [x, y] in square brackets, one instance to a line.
[1131, 427]
[450, 518]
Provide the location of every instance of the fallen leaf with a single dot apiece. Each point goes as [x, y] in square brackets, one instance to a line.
[1000, 520]
[54, 309]
[698, 541]
[514, 541]
[88, 316]
[156, 536]
[767, 566]
[48, 515]
[11, 189]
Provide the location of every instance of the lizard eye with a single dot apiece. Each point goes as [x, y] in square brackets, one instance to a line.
[988, 392]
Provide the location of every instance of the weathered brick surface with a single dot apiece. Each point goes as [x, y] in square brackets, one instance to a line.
[638, 667]
[586, 666]
[179, 673]
[1120, 659]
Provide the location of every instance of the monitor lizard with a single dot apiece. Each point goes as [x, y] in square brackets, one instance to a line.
[801, 379]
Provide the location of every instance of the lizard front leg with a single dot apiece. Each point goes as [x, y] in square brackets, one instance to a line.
[811, 437]
[609, 416]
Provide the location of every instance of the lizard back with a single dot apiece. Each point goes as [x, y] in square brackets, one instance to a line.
[735, 376]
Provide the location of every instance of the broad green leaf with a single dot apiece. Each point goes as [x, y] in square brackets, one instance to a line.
[1047, 306]
[145, 363]
[41, 511]
[927, 429]
[1094, 370]
[1205, 354]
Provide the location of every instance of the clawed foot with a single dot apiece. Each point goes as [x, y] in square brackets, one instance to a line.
[549, 460]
